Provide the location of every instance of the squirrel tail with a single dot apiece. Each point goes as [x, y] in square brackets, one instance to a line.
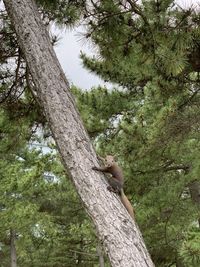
[126, 203]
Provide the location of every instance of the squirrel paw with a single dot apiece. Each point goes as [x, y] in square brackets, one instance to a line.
[111, 189]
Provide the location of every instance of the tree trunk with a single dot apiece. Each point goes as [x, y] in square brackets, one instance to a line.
[120, 236]
[13, 253]
[100, 255]
[194, 188]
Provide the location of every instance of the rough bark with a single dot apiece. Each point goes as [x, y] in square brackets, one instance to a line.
[13, 253]
[120, 236]
[194, 188]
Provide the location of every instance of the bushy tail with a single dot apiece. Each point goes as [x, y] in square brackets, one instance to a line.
[126, 203]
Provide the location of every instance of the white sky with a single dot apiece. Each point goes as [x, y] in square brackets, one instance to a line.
[68, 51]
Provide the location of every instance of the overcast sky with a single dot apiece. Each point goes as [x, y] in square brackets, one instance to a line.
[68, 51]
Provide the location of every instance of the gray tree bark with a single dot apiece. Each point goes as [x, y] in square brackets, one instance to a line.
[194, 188]
[100, 255]
[13, 253]
[119, 234]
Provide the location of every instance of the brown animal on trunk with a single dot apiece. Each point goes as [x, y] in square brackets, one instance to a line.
[116, 182]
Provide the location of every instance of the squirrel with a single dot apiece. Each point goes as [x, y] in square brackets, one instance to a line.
[116, 182]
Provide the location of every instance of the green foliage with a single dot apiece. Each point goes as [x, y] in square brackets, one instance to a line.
[190, 249]
[151, 50]
[99, 108]
[63, 12]
[40, 204]
[140, 42]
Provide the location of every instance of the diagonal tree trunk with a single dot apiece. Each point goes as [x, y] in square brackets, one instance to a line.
[120, 236]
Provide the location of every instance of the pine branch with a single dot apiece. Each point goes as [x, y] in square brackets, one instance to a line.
[187, 101]
[165, 169]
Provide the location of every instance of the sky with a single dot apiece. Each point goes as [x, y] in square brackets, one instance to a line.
[68, 51]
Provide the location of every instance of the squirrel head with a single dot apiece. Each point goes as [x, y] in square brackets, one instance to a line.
[109, 161]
